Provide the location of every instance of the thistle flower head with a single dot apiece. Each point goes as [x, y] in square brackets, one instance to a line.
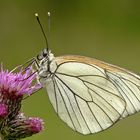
[13, 88]
[22, 127]
[34, 125]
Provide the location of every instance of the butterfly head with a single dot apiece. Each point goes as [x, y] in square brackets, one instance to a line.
[45, 55]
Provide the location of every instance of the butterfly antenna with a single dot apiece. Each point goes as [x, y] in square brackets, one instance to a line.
[42, 29]
[49, 26]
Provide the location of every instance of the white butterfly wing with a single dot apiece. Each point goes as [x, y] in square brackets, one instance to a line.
[128, 85]
[84, 96]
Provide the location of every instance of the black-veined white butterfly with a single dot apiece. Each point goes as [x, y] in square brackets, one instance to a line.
[87, 94]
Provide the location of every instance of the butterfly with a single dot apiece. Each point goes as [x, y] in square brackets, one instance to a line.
[87, 94]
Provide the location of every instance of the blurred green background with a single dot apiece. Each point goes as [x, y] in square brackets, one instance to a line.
[104, 29]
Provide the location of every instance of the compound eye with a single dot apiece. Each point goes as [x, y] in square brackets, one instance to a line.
[44, 54]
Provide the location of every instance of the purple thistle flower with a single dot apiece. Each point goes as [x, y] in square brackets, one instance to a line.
[13, 88]
[22, 127]
[15, 85]
[34, 125]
